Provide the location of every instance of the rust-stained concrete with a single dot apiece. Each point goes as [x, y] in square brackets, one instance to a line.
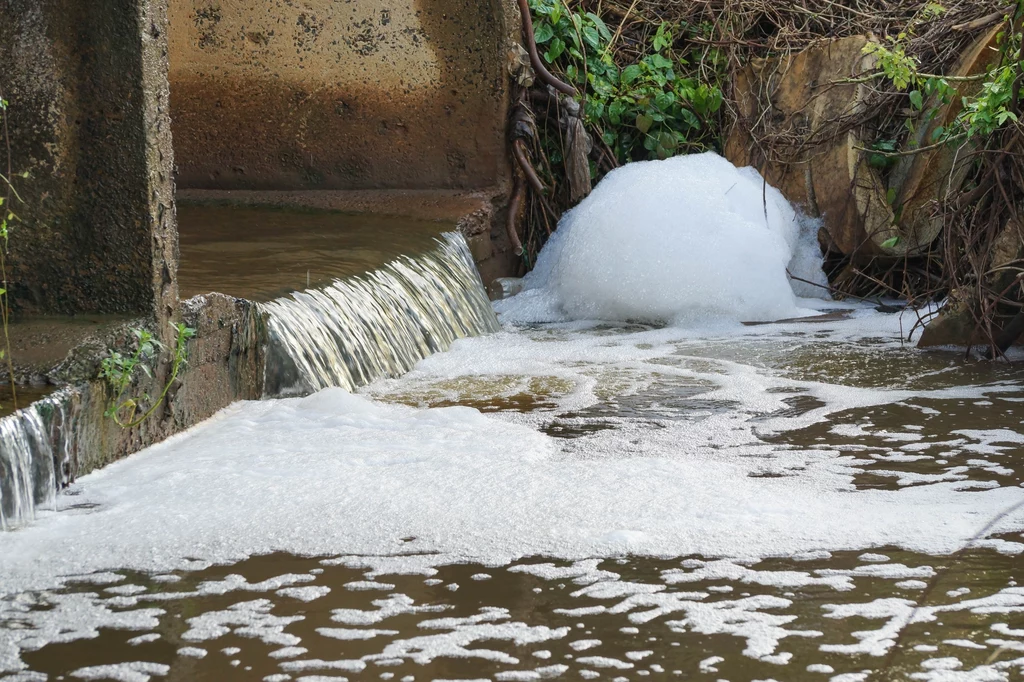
[319, 94]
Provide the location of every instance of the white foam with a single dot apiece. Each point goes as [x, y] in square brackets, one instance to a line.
[443, 476]
[135, 671]
[306, 594]
[690, 239]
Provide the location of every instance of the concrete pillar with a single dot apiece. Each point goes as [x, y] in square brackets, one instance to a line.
[88, 120]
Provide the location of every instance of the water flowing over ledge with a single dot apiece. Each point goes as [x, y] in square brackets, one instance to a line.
[380, 325]
[346, 335]
[36, 453]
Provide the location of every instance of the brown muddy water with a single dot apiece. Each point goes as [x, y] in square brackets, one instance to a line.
[262, 253]
[892, 418]
[480, 622]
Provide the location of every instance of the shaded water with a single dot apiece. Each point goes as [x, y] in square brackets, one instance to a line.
[840, 405]
[263, 253]
[26, 396]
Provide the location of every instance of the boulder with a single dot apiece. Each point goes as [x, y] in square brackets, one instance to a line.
[807, 107]
[922, 179]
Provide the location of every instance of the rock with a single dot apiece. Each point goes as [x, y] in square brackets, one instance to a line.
[922, 179]
[810, 113]
[954, 326]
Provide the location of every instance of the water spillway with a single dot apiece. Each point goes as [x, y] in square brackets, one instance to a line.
[36, 453]
[345, 333]
[378, 325]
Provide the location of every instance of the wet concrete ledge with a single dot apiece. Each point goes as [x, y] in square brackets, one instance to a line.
[225, 365]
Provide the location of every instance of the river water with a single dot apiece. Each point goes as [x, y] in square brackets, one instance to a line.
[559, 501]
[460, 499]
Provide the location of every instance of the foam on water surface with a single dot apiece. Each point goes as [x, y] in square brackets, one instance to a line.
[618, 489]
[702, 469]
[688, 240]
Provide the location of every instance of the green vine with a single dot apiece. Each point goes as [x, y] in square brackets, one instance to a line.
[639, 107]
[120, 370]
[984, 113]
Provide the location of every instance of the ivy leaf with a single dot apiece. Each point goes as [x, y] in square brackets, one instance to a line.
[916, 100]
[630, 73]
[664, 100]
[615, 111]
[659, 61]
[555, 50]
[592, 37]
[601, 26]
[543, 33]
[644, 123]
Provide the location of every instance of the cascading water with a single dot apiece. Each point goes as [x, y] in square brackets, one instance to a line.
[378, 325]
[29, 466]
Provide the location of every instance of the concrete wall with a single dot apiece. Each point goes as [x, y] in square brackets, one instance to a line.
[87, 87]
[323, 94]
[282, 94]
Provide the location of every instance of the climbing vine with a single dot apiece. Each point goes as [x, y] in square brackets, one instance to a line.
[985, 110]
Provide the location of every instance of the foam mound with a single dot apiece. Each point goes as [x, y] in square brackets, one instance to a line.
[687, 240]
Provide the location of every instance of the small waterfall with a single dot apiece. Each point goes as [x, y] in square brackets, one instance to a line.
[378, 325]
[32, 461]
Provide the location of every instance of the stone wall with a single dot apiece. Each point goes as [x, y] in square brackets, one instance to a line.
[320, 94]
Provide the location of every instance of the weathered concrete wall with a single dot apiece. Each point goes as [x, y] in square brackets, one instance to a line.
[87, 87]
[321, 94]
[225, 365]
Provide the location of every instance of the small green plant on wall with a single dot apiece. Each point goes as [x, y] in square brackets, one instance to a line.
[120, 371]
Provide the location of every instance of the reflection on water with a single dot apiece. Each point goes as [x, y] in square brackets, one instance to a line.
[263, 253]
[26, 396]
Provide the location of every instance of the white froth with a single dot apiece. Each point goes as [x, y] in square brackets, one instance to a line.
[251, 481]
[690, 239]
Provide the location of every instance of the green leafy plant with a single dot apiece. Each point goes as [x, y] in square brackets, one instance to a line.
[984, 113]
[641, 109]
[120, 371]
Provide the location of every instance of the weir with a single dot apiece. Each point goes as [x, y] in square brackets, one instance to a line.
[388, 109]
[345, 334]
[379, 325]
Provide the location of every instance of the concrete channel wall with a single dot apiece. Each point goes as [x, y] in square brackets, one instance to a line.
[114, 102]
[321, 94]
